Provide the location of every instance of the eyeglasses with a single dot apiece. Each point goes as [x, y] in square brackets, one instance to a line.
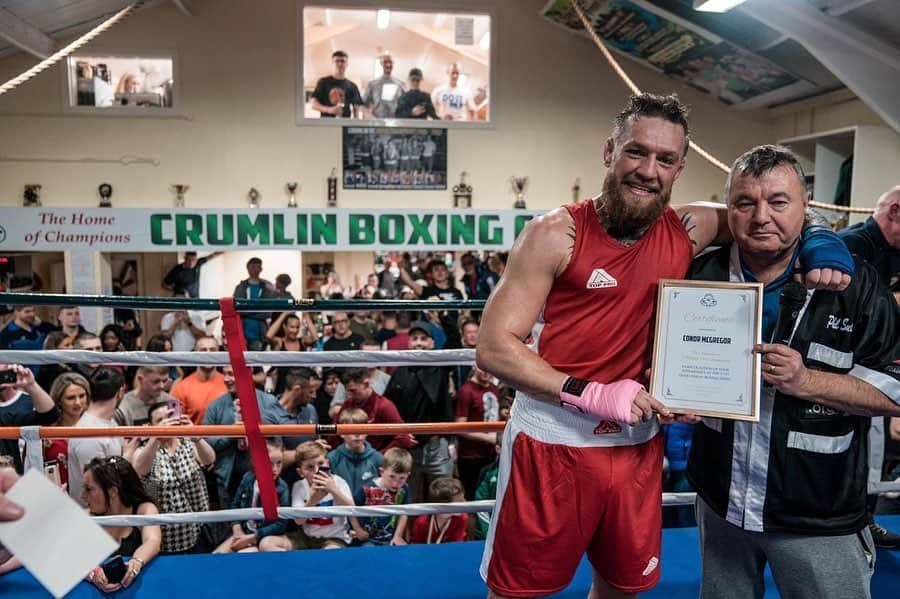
[340, 320]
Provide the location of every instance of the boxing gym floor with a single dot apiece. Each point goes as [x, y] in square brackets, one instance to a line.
[414, 572]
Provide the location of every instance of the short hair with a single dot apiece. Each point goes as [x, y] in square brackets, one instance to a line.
[153, 407]
[152, 369]
[309, 450]
[355, 375]
[339, 54]
[405, 318]
[887, 199]
[202, 337]
[468, 257]
[668, 108]
[762, 159]
[274, 442]
[444, 489]
[434, 263]
[353, 416]
[467, 321]
[53, 339]
[23, 307]
[283, 279]
[63, 381]
[299, 376]
[61, 308]
[331, 372]
[106, 383]
[254, 260]
[370, 341]
[398, 459]
[80, 338]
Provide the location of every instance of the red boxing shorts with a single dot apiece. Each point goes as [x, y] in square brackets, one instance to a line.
[555, 503]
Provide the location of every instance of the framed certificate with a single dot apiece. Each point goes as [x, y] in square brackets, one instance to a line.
[703, 360]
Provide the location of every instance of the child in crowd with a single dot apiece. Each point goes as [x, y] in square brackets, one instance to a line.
[258, 535]
[441, 528]
[388, 489]
[355, 460]
[318, 487]
[487, 489]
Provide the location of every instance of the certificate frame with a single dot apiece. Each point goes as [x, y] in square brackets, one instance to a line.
[703, 360]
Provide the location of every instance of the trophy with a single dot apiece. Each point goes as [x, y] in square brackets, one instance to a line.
[292, 187]
[462, 193]
[332, 189]
[576, 190]
[179, 190]
[519, 185]
[253, 197]
[105, 190]
[32, 195]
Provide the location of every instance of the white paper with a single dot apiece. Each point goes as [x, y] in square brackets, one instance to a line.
[56, 540]
[464, 31]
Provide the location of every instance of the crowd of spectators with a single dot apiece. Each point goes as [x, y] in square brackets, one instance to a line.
[117, 475]
[387, 97]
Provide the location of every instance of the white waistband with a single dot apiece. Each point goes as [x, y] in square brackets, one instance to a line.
[549, 423]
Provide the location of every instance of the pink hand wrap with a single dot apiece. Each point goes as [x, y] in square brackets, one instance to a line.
[611, 401]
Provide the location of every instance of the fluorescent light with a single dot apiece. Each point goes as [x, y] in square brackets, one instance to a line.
[383, 18]
[485, 42]
[716, 5]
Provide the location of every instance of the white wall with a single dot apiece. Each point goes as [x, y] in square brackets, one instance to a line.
[554, 98]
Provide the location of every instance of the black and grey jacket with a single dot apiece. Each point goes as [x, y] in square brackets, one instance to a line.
[802, 468]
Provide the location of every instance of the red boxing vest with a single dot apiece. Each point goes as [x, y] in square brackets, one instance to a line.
[600, 314]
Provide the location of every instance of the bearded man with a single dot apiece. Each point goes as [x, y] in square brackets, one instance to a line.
[580, 468]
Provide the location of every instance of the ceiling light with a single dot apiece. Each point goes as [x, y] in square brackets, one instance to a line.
[716, 5]
[383, 18]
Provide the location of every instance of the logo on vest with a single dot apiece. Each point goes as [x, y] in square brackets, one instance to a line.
[651, 566]
[600, 278]
[607, 427]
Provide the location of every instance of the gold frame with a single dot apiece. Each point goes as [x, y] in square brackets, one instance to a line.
[659, 343]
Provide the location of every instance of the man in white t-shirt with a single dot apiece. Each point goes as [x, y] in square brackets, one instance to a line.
[451, 100]
[107, 389]
[383, 94]
[183, 327]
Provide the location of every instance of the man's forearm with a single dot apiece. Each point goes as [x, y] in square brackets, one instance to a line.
[847, 394]
[509, 359]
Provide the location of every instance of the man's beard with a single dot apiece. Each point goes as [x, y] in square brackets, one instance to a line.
[628, 219]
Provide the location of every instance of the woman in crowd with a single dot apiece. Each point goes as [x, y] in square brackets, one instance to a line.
[174, 468]
[111, 337]
[48, 372]
[71, 393]
[113, 488]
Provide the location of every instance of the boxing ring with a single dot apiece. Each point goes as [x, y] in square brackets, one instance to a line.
[439, 571]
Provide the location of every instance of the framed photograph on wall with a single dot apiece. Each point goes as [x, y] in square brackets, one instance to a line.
[394, 158]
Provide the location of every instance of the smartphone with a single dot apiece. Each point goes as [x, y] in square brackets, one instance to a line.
[51, 471]
[174, 408]
[114, 569]
[325, 470]
[8, 377]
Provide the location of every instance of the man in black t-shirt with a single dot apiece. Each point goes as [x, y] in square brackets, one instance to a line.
[415, 104]
[185, 277]
[335, 95]
[342, 338]
[441, 287]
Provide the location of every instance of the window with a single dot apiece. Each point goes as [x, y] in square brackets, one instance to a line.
[394, 67]
[121, 82]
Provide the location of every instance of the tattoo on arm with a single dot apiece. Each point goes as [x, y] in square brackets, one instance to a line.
[687, 219]
[571, 233]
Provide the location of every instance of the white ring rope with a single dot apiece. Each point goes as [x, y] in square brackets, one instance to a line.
[412, 509]
[66, 51]
[431, 357]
